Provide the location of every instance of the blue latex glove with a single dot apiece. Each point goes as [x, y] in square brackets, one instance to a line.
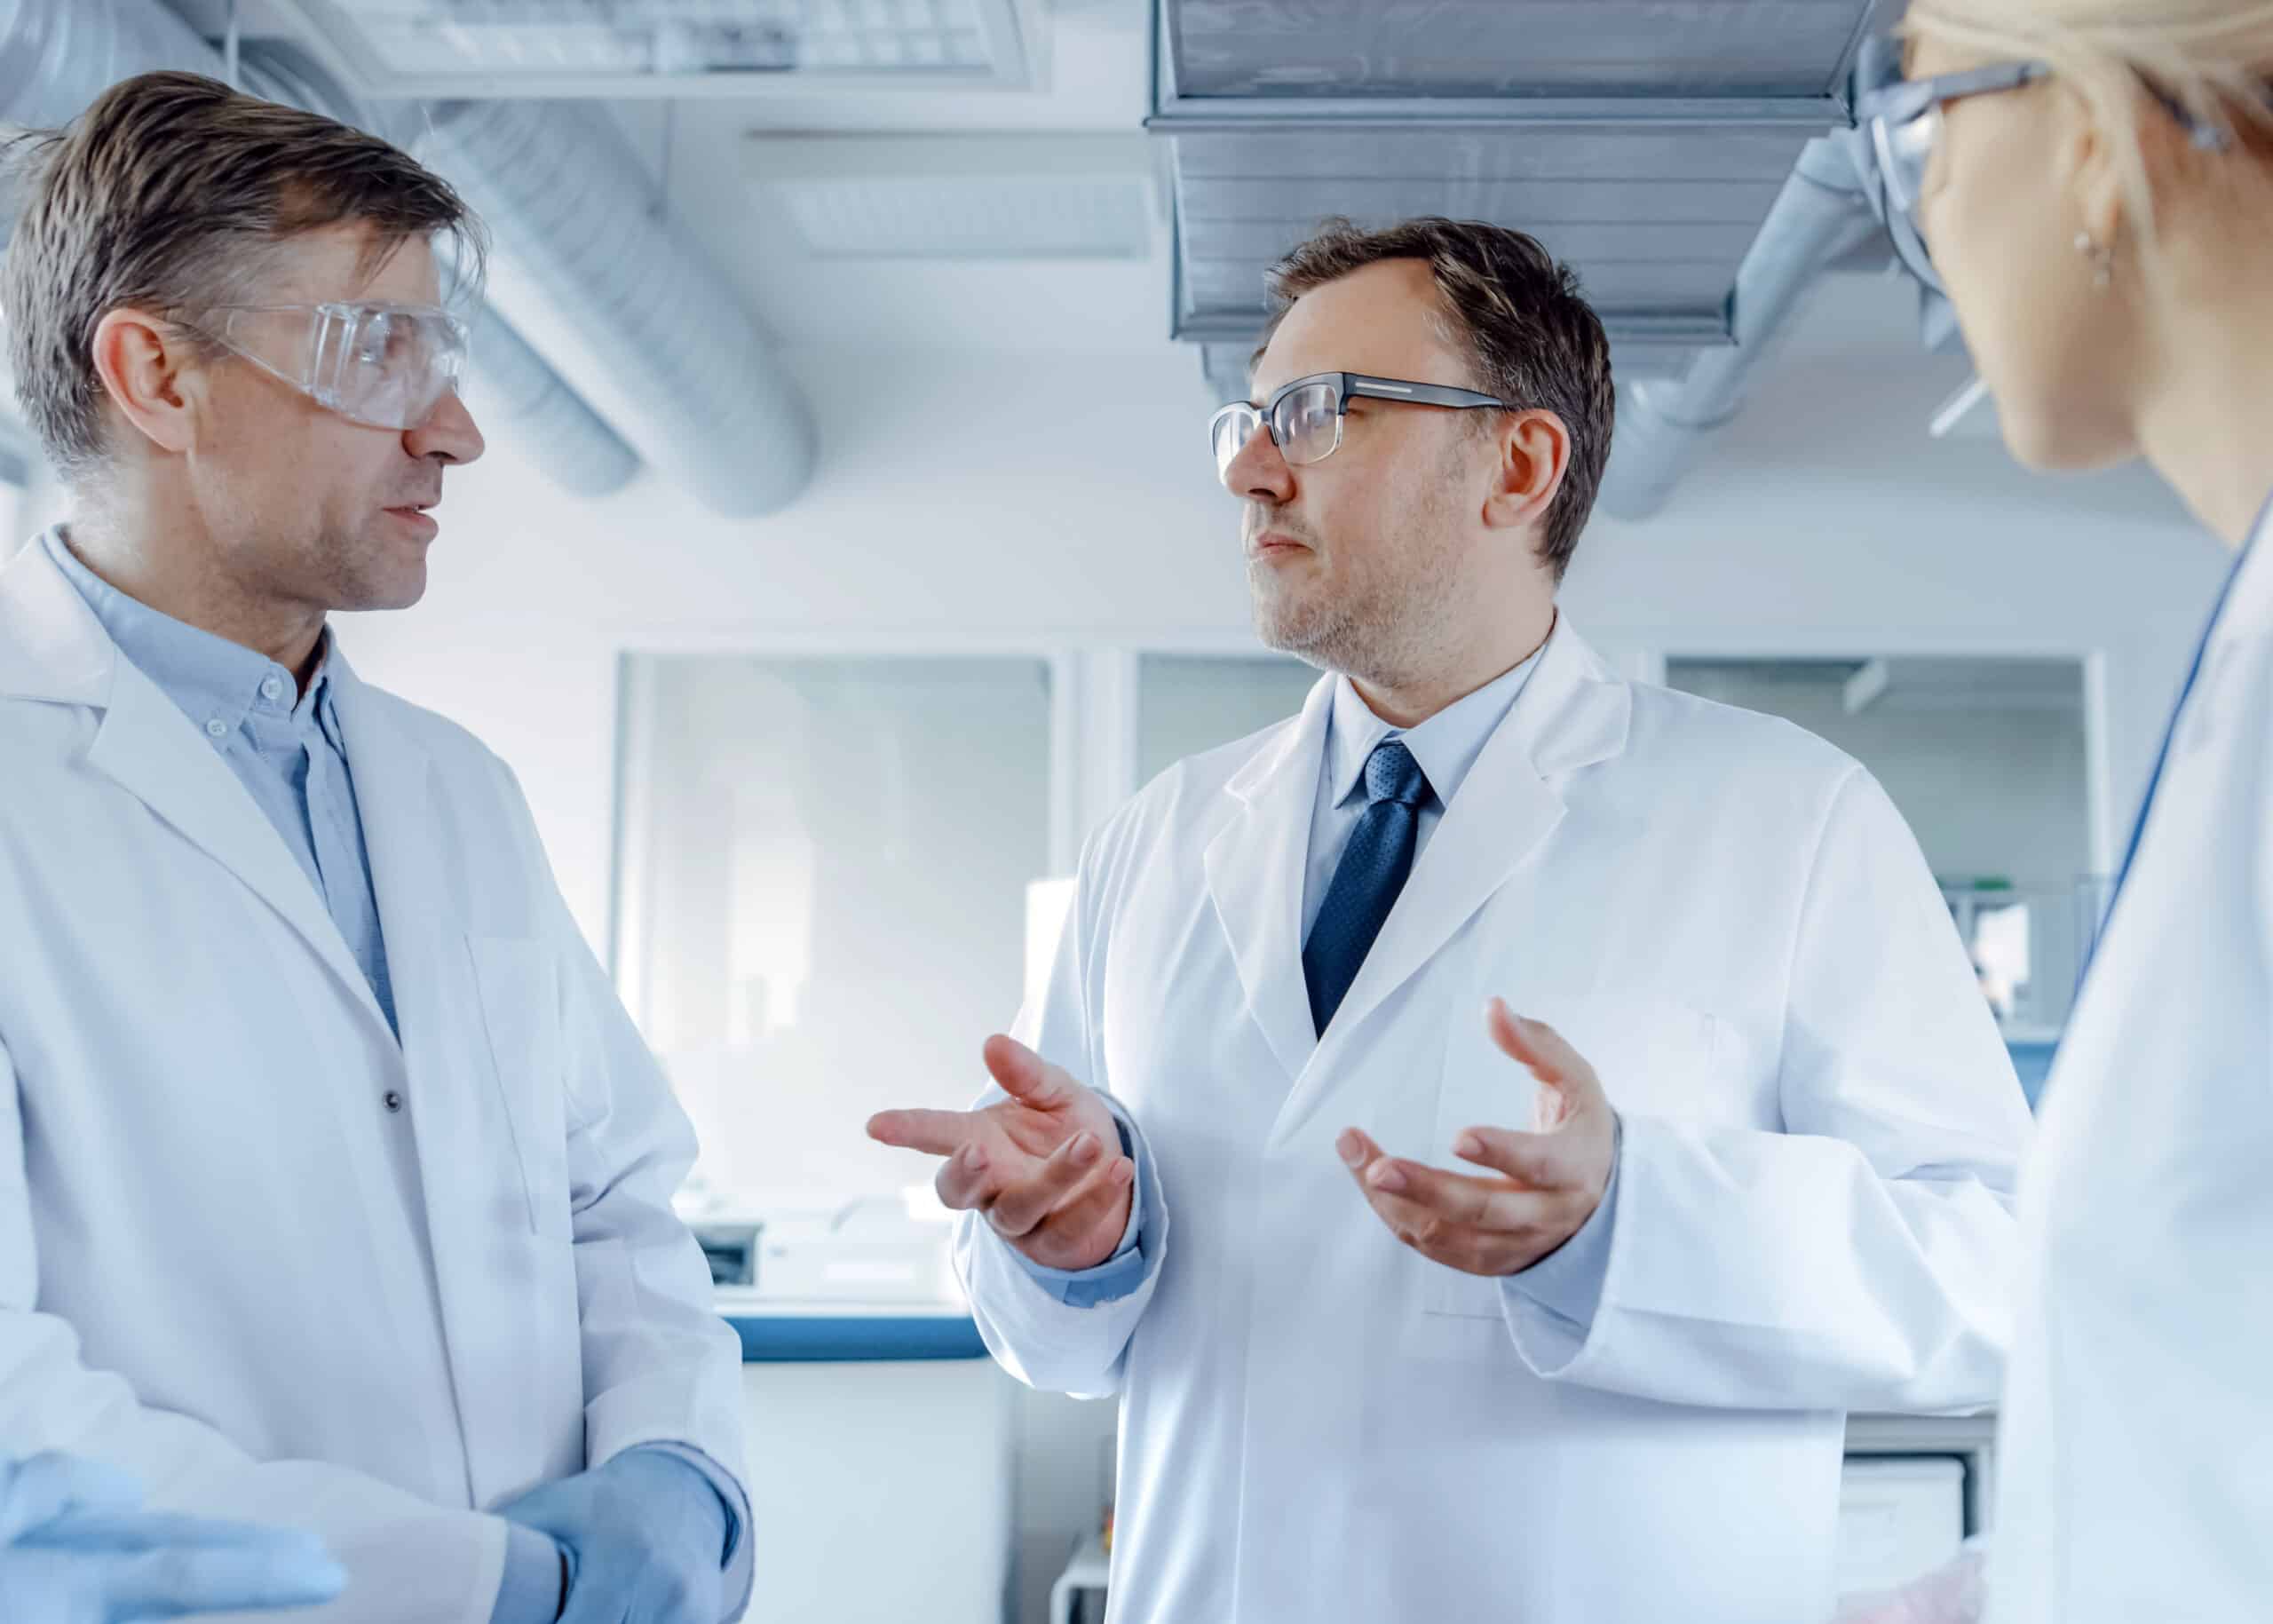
[644, 1538]
[76, 1548]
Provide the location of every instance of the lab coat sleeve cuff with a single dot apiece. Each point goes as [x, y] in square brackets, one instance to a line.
[1119, 1275]
[529, 1590]
[1568, 1281]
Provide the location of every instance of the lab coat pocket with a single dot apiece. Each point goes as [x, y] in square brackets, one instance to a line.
[518, 984]
[1652, 1056]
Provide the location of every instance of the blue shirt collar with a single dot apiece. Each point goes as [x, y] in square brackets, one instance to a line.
[1446, 745]
[210, 677]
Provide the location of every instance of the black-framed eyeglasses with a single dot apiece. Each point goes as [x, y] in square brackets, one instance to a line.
[1901, 119]
[1304, 417]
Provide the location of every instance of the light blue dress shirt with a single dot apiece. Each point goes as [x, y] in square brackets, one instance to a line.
[287, 750]
[1568, 1281]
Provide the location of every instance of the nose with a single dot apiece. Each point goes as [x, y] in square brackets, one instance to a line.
[448, 434]
[1258, 472]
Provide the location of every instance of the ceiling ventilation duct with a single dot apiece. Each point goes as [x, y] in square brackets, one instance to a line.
[646, 322]
[1642, 141]
[1662, 423]
[56, 56]
[1670, 151]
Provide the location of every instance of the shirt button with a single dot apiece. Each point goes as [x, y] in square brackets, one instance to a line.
[216, 729]
[271, 688]
[395, 1100]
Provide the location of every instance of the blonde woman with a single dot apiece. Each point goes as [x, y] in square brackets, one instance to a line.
[2091, 181]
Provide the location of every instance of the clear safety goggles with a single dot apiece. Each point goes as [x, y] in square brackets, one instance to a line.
[387, 365]
[1902, 121]
[1304, 417]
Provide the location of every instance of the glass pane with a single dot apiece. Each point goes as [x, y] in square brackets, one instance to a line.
[1189, 704]
[823, 897]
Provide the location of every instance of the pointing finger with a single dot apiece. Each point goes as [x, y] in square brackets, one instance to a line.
[938, 1133]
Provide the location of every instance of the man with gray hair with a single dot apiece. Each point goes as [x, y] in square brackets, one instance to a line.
[334, 1183]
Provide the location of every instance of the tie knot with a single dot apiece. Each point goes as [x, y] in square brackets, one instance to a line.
[1392, 774]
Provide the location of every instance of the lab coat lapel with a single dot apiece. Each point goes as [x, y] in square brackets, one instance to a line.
[1572, 713]
[1256, 866]
[415, 882]
[57, 650]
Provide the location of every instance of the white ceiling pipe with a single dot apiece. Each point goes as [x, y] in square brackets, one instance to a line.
[703, 394]
[57, 55]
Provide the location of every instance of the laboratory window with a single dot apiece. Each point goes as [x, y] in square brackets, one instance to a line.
[821, 895]
[1187, 703]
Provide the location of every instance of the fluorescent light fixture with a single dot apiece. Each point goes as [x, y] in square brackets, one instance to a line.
[963, 196]
[485, 49]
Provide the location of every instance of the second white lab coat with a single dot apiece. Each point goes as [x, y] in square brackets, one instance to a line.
[205, 1273]
[1729, 918]
[2136, 1449]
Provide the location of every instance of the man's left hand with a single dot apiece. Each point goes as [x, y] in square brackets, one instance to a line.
[1547, 1182]
[645, 1534]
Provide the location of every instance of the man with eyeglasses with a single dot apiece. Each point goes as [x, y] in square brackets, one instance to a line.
[335, 1184]
[1489, 1129]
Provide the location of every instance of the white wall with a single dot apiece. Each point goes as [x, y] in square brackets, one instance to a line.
[963, 500]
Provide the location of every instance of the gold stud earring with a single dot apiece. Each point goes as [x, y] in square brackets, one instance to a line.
[2102, 259]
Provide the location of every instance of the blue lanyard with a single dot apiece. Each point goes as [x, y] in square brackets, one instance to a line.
[2162, 754]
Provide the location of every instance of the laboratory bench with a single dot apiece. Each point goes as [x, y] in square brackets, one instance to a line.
[879, 1440]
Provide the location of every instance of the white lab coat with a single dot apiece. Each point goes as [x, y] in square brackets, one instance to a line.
[2136, 1451]
[204, 1275]
[1821, 1129]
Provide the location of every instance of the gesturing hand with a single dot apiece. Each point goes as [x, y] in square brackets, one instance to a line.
[1044, 1166]
[1550, 1180]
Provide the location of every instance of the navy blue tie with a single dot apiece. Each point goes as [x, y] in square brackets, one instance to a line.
[1366, 882]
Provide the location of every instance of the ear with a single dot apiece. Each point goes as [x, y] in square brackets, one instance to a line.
[153, 375]
[1533, 451]
[2088, 167]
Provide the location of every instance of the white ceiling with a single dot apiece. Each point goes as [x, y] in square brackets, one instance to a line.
[1095, 80]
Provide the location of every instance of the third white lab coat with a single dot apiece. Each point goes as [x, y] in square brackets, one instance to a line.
[204, 1272]
[1728, 918]
[2136, 1454]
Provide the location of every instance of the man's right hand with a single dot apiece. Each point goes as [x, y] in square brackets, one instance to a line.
[1044, 1166]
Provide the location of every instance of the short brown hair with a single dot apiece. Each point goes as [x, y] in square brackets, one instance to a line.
[1533, 340]
[168, 193]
